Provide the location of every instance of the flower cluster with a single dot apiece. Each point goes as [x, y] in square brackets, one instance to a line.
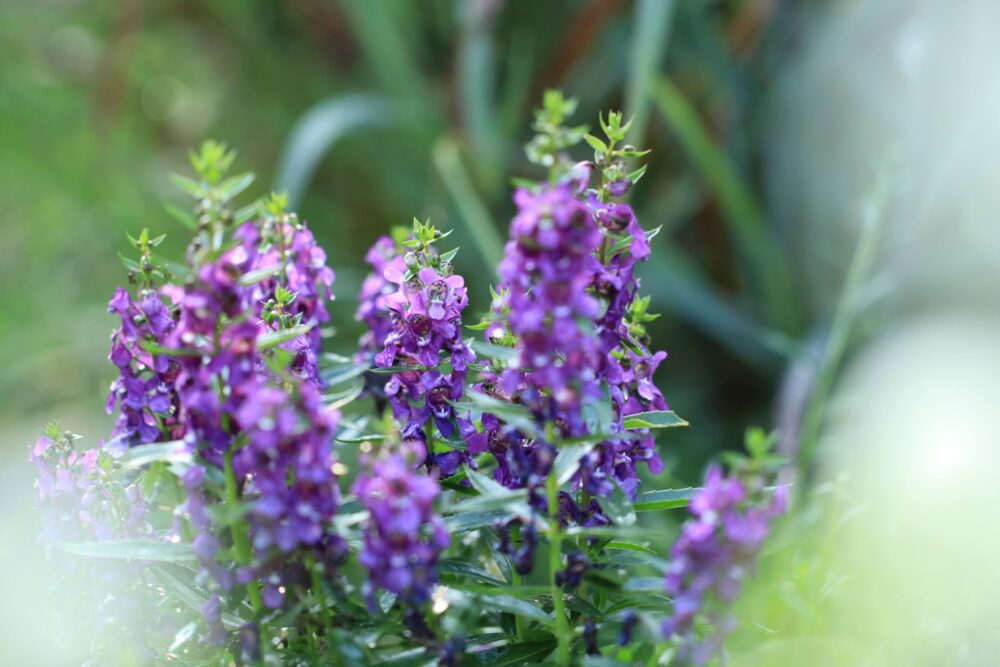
[78, 499]
[373, 311]
[287, 463]
[144, 389]
[713, 555]
[425, 311]
[404, 537]
[296, 284]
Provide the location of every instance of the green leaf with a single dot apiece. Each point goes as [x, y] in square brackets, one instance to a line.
[185, 184]
[372, 437]
[663, 499]
[644, 584]
[629, 546]
[150, 550]
[260, 275]
[175, 451]
[273, 338]
[472, 211]
[192, 598]
[765, 260]
[464, 568]
[568, 461]
[512, 413]
[595, 143]
[523, 653]
[181, 216]
[153, 348]
[516, 606]
[466, 521]
[654, 419]
[234, 185]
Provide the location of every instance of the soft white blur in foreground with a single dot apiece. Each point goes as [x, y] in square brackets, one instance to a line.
[904, 571]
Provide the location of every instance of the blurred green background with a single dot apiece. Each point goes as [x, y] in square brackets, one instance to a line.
[823, 172]
[370, 113]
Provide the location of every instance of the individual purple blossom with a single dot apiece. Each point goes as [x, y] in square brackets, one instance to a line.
[715, 552]
[404, 537]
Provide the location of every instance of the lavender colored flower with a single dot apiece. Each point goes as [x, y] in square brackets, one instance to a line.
[712, 557]
[144, 388]
[545, 274]
[426, 316]
[373, 311]
[287, 249]
[287, 463]
[404, 537]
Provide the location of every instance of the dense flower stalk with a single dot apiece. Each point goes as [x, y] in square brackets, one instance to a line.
[713, 555]
[404, 537]
[425, 311]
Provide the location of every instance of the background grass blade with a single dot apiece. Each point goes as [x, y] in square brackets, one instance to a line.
[316, 133]
[760, 255]
[651, 30]
[472, 211]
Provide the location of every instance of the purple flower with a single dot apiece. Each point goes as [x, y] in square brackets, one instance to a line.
[713, 555]
[425, 312]
[404, 537]
[373, 310]
[144, 388]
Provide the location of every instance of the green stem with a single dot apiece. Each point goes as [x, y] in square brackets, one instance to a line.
[241, 543]
[563, 635]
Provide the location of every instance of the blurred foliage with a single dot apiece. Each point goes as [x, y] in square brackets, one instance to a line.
[369, 113]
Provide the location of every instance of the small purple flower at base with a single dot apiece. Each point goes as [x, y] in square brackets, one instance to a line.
[711, 558]
[404, 536]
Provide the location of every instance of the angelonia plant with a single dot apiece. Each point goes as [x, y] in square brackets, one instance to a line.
[458, 491]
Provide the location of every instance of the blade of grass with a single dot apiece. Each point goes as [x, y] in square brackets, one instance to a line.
[760, 254]
[842, 326]
[472, 210]
[476, 81]
[651, 30]
[680, 285]
[317, 131]
[389, 49]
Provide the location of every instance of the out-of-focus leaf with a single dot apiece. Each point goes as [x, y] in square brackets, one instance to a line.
[274, 338]
[148, 550]
[568, 461]
[524, 653]
[190, 597]
[762, 257]
[651, 33]
[464, 568]
[654, 419]
[515, 415]
[664, 499]
[628, 546]
[319, 129]
[472, 212]
[181, 216]
[175, 451]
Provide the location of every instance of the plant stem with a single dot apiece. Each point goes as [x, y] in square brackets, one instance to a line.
[241, 543]
[563, 636]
